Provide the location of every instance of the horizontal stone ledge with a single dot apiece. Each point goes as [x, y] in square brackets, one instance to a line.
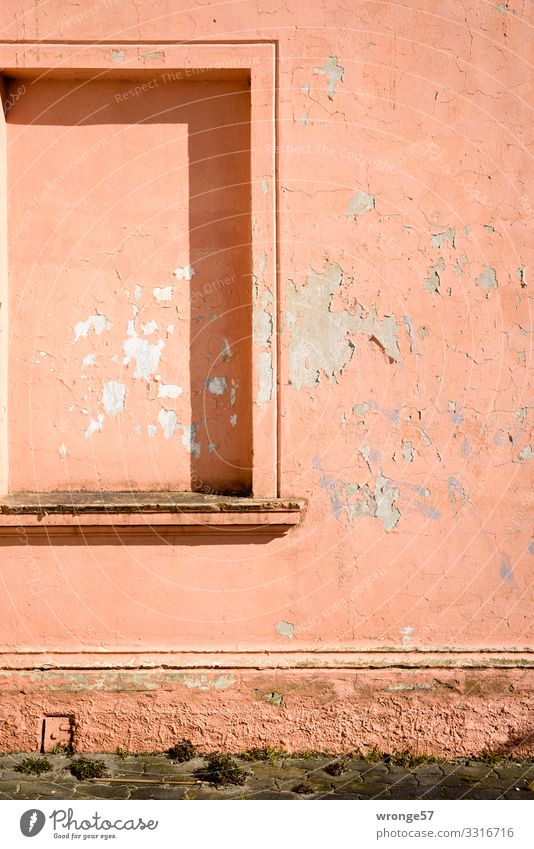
[145, 510]
[299, 660]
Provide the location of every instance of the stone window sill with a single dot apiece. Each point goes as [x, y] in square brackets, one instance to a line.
[174, 510]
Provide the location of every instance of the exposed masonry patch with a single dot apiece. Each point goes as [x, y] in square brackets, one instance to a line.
[488, 278]
[360, 203]
[334, 72]
[448, 235]
[285, 629]
[98, 323]
[265, 378]
[319, 337]
[217, 385]
[168, 422]
[163, 293]
[187, 272]
[114, 397]
[94, 426]
[431, 283]
[169, 390]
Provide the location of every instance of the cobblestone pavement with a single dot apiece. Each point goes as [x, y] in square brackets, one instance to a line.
[306, 777]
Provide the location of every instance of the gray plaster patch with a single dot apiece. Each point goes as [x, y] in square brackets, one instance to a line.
[285, 629]
[163, 293]
[407, 451]
[506, 568]
[448, 235]
[488, 278]
[360, 203]
[114, 397]
[319, 336]
[334, 72]
[432, 282]
[385, 496]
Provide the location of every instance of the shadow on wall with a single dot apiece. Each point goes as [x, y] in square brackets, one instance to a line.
[163, 204]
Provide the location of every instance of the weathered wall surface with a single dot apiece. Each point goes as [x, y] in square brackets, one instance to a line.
[405, 206]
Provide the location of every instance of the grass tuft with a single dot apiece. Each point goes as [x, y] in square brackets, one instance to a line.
[305, 788]
[270, 754]
[83, 768]
[220, 771]
[34, 766]
[182, 752]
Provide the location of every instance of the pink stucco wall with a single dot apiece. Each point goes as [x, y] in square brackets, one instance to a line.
[399, 611]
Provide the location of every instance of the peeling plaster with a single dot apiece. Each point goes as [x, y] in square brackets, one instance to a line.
[145, 354]
[448, 235]
[334, 72]
[114, 397]
[217, 385]
[169, 390]
[187, 272]
[385, 496]
[168, 422]
[98, 323]
[262, 327]
[149, 327]
[94, 426]
[89, 360]
[407, 451]
[488, 278]
[360, 203]
[163, 293]
[188, 440]
[432, 282]
[319, 337]
[265, 377]
[285, 629]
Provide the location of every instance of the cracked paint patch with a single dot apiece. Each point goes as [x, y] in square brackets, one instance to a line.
[319, 339]
[97, 323]
[334, 72]
[488, 278]
[114, 397]
[360, 203]
[285, 629]
[149, 328]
